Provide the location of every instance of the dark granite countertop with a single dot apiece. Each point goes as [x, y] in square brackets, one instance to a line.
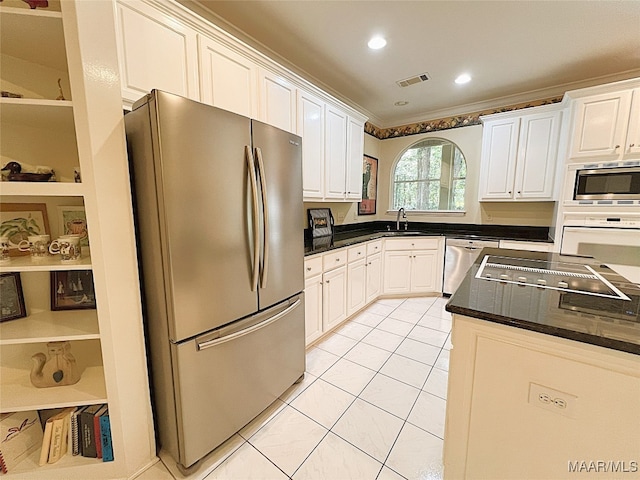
[352, 234]
[606, 322]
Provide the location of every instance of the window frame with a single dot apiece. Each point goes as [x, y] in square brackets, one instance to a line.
[452, 178]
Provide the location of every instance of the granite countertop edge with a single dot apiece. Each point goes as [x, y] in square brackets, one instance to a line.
[548, 330]
[354, 237]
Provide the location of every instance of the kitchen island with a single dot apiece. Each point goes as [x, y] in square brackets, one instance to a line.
[544, 378]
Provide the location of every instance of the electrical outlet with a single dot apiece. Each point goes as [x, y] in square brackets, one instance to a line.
[553, 400]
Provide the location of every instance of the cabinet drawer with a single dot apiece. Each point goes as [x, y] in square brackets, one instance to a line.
[357, 252]
[430, 243]
[374, 247]
[334, 259]
[312, 266]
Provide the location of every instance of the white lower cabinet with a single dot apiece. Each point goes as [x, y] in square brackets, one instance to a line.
[340, 283]
[413, 266]
[356, 278]
[334, 297]
[374, 277]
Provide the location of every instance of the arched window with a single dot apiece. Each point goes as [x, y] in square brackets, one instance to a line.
[429, 175]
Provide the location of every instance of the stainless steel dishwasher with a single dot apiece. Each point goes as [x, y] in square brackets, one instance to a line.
[460, 253]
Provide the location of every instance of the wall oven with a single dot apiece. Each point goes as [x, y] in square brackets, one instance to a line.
[612, 238]
[602, 184]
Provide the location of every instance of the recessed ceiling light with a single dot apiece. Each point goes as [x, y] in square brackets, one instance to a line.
[401, 103]
[464, 78]
[377, 43]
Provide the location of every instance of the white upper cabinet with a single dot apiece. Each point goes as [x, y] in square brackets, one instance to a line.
[606, 125]
[355, 151]
[499, 151]
[228, 80]
[335, 153]
[277, 101]
[519, 155]
[537, 156]
[155, 52]
[311, 129]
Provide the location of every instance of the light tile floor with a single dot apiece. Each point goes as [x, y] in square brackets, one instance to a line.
[371, 405]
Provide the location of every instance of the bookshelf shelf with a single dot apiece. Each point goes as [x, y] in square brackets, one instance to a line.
[25, 264]
[18, 394]
[49, 326]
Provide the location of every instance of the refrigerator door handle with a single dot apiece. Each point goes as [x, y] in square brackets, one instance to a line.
[251, 329]
[265, 221]
[256, 222]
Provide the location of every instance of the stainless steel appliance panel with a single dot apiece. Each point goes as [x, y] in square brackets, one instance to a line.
[460, 253]
[236, 373]
[202, 184]
[277, 154]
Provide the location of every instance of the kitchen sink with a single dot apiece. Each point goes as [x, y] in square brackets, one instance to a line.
[401, 233]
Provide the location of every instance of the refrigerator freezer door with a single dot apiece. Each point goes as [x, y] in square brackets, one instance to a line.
[236, 375]
[279, 161]
[199, 208]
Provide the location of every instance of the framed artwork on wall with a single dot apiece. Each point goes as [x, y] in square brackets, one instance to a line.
[72, 290]
[73, 221]
[11, 297]
[369, 186]
[20, 220]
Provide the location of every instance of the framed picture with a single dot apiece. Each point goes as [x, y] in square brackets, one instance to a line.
[73, 221]
[369, 186]
[11, 297]
[72, 290]
[19, 220]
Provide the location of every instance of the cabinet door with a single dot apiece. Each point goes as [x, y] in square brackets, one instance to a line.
[355, 151]
[600, 124]
[537, 156]
[632, 145]
[424, 271]
[356, 286]
[313, 308]
[335, 151]
[228, 80]
[334, 297]
[277, 101]
[155, 51]
[397, 272]
[374, 277]
[499, 151]
[311, 129]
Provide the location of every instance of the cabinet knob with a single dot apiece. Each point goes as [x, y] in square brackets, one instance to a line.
[327, 281]
[308, 269]
[359, 253]
[509, 192]
[632, 145]
[337, 259]
[616, 147]
[519, 192]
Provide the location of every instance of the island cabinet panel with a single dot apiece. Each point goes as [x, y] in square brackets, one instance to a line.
[516, 397]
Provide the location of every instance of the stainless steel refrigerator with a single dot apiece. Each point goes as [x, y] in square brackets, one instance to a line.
[218, 202]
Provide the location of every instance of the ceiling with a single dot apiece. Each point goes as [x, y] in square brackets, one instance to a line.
[515, 51]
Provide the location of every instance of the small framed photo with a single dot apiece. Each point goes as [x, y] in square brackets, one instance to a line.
[72, 220]
[11, 297]
[72, 290]
[19, 220]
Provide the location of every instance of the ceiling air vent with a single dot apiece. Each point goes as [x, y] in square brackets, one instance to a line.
[423, 77]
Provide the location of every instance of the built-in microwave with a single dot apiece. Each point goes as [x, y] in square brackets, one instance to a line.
[615, 183]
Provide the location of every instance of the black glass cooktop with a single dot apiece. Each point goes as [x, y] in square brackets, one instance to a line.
[555, 275]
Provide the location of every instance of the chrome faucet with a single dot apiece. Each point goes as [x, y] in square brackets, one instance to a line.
[404, 215]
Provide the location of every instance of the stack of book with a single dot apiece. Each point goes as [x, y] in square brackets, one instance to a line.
[86, 431]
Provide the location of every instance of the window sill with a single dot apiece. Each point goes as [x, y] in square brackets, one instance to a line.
[447, 213]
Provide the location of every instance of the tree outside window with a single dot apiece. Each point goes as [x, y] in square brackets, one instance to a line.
[430, 175]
